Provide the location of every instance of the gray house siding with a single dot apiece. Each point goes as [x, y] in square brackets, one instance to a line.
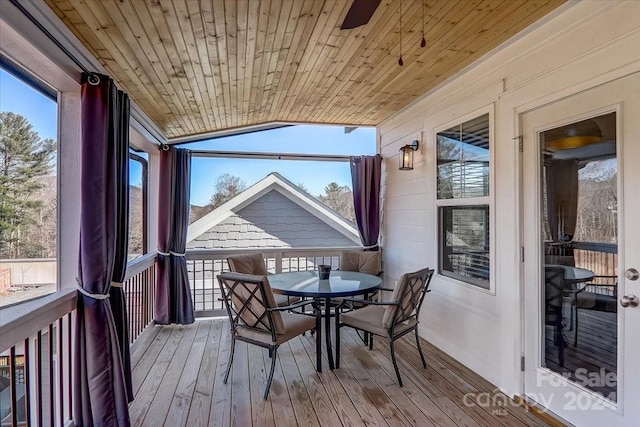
[272, 221]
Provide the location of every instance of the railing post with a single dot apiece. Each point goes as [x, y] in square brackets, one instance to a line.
[278, 262]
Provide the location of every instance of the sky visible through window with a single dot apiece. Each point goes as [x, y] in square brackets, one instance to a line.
[19, 98]
[28, 233]
[303, 139]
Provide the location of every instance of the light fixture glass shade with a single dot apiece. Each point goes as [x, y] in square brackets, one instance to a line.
[574, 135]
[406, 158]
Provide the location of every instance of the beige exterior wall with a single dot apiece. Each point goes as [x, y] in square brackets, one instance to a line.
[580, 46]
[27, 272]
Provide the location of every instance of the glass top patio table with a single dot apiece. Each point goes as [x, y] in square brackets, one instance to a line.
[339, 284]
[575, 281]
[574, 274]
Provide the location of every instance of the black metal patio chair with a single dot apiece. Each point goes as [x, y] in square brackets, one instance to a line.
[256, 319]
[390, 319]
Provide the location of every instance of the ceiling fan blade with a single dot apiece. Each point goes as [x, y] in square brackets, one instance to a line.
[359, 14]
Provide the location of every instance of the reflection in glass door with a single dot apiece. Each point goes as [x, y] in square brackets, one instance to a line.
[579, 241]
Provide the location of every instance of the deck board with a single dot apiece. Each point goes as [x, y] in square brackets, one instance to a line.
[203, 393]
[180, 383]
[220, 413]
[185, 390]
[596, 349]
[261, 409]
[167, 389]
[146, 383]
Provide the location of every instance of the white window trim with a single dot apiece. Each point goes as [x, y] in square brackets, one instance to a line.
[28, 56]
[485, 200]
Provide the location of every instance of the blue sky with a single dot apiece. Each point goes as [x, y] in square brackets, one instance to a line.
[21, 99]
[306, 139]
[41, 112]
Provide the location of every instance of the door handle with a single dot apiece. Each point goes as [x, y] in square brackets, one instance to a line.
[631, 274]
[629, 301]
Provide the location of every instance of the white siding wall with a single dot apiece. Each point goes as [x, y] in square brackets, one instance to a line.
[581, 46]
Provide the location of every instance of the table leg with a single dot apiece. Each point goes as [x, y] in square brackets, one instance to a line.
[318, 314]
[327, 332]
[366, 334]
[337, 325]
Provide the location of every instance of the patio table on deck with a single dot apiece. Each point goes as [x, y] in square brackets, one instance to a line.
[573, 277]
[340, 284]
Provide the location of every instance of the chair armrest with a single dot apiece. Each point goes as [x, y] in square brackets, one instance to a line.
[385, 289]
[292, 306]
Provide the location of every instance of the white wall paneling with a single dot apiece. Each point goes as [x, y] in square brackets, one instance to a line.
[585, 44]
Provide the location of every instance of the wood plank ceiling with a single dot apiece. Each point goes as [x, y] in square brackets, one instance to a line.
[199, 66]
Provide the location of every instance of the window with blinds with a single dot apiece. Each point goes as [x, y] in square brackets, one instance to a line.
[463, 201]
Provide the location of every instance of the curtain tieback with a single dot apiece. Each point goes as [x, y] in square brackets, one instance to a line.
[370, 247]
[170, 253]
[90, 295]
[117, 285]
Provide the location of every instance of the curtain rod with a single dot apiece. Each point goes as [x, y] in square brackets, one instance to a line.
[271, 156]
[50, 36]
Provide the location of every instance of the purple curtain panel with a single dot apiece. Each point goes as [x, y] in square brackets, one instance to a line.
[100, 387]
[365, 177]
[173, 295]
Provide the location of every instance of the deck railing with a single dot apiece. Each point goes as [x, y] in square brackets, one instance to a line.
[139, 290]
[602, 259]
[36, 342]
[204, 265]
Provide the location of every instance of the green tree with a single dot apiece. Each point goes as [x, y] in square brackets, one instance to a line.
[303, 187]
[24, 159]
[340, 199]
[227, 187]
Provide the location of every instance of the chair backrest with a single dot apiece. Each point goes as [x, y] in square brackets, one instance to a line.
[248, 264]
[247, 298]
[410, 293]
[553, 286]
[365, 262]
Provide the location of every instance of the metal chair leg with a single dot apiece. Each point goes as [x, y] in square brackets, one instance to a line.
[395, 364]
[363, 336]
[370, 341]
[337, 325]
[424, 363]
[233, 347]
[561, 346]
[571, 317]
[575, 337]
[273, 368]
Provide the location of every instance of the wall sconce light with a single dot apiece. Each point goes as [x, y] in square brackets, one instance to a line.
[406, 156]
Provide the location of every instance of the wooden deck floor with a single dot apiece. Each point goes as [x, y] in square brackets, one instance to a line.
[595, 353]
[178, 373]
